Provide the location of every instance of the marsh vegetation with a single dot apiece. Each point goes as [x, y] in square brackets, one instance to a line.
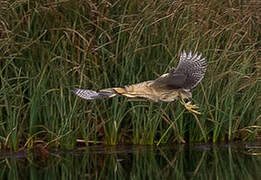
[48, 48]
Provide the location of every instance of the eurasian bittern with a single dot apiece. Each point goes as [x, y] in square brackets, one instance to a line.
[174, 85]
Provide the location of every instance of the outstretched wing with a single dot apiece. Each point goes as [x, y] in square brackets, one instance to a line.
[193, 67]
[169, 81]
[189, 72]
[90, 95]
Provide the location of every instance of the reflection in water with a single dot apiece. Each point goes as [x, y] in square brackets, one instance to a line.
[137, 162]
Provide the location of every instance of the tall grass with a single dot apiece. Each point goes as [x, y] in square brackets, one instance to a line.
[47, 48]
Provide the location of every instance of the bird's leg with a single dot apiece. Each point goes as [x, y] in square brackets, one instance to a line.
[190, 107]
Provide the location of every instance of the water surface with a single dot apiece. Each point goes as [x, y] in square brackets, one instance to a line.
[198, 161]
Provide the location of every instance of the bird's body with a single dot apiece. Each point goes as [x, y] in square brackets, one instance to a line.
[171, 86]
[146, 90]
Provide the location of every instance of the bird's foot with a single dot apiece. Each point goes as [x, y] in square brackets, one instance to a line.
[190, 107]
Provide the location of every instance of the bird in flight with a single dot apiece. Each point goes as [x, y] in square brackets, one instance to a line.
[174, 85]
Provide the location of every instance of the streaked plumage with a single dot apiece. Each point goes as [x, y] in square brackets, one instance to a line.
[174, 85]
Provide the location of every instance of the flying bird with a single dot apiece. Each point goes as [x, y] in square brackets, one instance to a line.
[174, 85]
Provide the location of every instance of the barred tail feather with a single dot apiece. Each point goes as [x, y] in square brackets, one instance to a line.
[91, 95]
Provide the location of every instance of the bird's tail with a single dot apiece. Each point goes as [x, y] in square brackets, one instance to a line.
[90, 94]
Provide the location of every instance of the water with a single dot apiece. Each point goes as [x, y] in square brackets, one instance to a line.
[196, 161]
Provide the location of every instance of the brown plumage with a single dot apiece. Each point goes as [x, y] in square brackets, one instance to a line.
[171, 86]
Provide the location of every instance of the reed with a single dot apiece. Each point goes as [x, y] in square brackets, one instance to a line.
[47, 48]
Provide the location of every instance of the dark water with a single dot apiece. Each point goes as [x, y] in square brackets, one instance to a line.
[137, 162]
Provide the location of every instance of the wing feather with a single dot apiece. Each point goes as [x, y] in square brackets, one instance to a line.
[189, 72]
[90, 94]
[193, 66]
